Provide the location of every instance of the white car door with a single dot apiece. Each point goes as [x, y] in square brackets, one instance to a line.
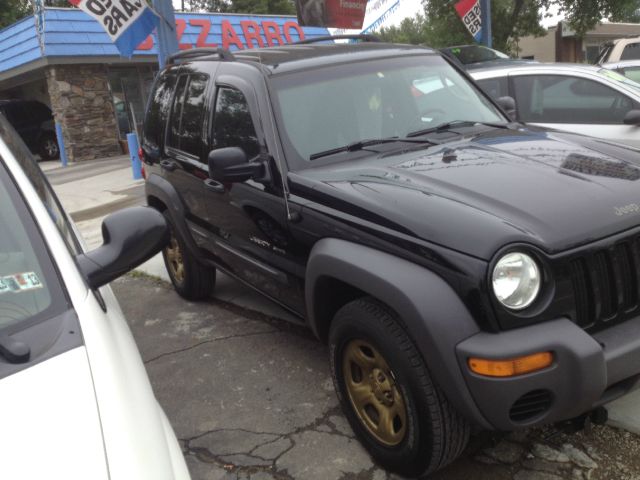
[575, 103]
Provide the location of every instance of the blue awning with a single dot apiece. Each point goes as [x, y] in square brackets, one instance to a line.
[69, 32]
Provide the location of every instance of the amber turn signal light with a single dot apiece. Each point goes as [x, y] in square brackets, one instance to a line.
[511, 367]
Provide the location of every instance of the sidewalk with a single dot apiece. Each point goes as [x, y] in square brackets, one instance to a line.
[91, 190]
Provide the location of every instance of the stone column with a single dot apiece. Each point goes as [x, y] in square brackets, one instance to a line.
[81, 104]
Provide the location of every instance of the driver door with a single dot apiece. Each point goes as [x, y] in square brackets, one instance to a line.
[250, 240]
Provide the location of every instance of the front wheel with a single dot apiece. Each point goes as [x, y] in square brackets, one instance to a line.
[190, 279]
[402, 418]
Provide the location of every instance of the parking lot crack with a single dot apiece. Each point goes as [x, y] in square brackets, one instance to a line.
[212, 340]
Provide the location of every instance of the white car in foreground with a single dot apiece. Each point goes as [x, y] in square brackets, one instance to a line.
[582, 99]
[75, 399]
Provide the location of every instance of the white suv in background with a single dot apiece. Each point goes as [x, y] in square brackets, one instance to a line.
[620, 49]
[76, 402]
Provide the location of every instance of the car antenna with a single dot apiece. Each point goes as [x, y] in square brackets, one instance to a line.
[291, 216]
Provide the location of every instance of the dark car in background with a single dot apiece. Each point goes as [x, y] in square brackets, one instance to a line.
[33, 121]
[478, 56]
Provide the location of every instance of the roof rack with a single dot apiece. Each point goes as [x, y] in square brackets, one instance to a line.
[364, 37]
[223, 53]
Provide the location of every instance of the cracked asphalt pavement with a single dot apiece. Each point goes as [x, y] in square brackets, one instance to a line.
[251, 397]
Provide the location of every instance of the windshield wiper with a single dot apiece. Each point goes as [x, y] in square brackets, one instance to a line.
[452, 124]
[360, 144]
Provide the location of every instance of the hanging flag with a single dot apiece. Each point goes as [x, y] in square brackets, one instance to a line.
[127, 22]
[470, 13]
[347, 14]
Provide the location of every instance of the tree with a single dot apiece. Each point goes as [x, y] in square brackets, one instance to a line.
[13, 10]
[510, 20]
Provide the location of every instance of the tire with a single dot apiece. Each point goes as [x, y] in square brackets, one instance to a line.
[48, 147]
[192, 280]
[378, 372]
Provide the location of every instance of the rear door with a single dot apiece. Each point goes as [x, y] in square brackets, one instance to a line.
[183, 160]
[576, 104]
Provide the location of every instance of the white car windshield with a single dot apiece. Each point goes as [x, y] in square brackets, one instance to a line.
[326, 109]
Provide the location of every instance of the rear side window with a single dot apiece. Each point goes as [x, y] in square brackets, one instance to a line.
[187, 115]
[232, 125]
[156, 117]
[631, 52]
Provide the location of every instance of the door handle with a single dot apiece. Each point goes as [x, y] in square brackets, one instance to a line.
[214, 185]
[168, 165]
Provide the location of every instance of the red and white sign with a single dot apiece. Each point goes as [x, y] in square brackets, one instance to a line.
[347, 14]
[127, 22]
[471, 15]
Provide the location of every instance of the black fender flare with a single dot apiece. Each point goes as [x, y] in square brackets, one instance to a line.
[433, 314]
[158, 188]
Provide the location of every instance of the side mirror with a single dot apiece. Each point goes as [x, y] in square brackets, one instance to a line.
[230, 164]
[508, 104]
[632, 117]
[131, 237]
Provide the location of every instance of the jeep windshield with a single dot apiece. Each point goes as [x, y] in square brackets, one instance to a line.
[321, 111]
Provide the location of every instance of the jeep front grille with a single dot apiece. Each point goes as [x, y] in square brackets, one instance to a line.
[605, 284]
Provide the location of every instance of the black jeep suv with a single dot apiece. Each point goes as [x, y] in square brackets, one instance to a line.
[465, 270]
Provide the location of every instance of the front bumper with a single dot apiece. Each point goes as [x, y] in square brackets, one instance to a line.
[588, 371]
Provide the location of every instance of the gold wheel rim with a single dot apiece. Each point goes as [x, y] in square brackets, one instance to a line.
[174, 260]
[373, 393]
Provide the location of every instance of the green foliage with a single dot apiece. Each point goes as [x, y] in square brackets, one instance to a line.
[583, 15]
[510, 20]
[13, 10]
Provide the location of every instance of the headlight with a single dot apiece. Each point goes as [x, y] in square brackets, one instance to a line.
[516, 280]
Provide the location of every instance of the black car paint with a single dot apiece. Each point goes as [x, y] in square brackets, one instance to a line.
[449, 210]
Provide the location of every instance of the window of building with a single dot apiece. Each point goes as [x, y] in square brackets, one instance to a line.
[564, 99]
[233, 126]
[130, 88]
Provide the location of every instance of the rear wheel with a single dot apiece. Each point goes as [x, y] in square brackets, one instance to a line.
[191, 280]
[402, 418]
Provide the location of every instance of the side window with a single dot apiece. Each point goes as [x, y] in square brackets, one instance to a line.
[631, 52]
[494, 87]
[232, 125]
[156, 117]
[564, 99]
[185, 127]
[191, 138]
[632, 73]
[173, 133]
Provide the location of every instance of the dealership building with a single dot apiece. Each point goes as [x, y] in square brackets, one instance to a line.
[64, 59]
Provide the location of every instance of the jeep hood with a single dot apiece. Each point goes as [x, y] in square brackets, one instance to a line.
[50, 421]
[478, 193]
